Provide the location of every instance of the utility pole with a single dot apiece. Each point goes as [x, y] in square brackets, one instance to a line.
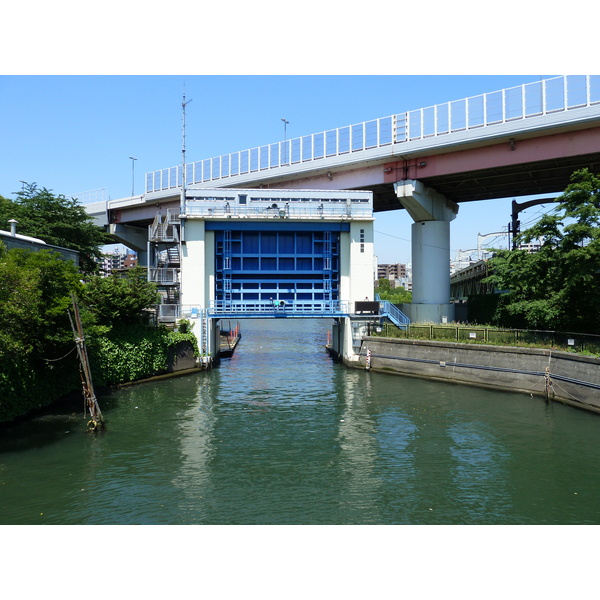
[285, 124]
[96, 422]
[132, 175]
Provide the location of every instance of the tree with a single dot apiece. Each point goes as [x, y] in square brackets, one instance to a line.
[557, 287]
[120, 299]
[37, 364]
[56, 220]
[394, 295]
[35, 294]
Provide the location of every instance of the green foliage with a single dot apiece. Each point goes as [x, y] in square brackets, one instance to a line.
[393, 295]
[56, 220]
[184, 326]
[557, 287]
[35, 292]
[38, 364]
[120, 298]
[132, 352]
[482, 307]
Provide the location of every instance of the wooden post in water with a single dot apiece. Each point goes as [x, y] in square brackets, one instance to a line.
[97, 422]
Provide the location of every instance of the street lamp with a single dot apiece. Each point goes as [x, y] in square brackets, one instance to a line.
[285, 124]
[132, 175]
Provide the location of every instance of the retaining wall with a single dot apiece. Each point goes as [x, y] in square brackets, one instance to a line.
[181, 357]
[566, 377]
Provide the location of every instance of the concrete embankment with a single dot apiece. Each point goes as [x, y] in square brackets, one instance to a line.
[561, 376]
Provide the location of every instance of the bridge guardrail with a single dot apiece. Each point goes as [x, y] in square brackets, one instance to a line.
[283, 212]
[279, 307]
[539, 98]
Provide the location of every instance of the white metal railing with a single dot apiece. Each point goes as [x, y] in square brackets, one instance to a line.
[544, 97]
[164, 227]
[163, 276]
[269, 308]
[91, 196]
[179, 311]
[280, 212]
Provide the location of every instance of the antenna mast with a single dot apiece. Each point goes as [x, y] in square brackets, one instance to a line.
[183, 163]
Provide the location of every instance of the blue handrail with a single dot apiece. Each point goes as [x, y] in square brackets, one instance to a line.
[393, 313]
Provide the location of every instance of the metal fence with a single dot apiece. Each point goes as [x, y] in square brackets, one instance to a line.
[575, 342]
[285, 211]
[278, 308]
[91, 196]
[544, 97]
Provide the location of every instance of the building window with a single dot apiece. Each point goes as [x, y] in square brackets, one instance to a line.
[362, 240]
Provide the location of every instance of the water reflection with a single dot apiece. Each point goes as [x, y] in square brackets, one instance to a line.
[480, 471]
[360, 486]
[280, 434]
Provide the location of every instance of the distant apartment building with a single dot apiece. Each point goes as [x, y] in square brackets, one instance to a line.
[391, 272]
[533, 246]
[130, 260]
[116, 260]
[398, 275]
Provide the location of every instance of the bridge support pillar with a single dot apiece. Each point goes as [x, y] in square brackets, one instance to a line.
[135, 238]
[430, 237]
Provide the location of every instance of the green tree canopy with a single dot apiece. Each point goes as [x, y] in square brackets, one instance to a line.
[394, 295]
[56, 220]
[35, 294]
[557, 287]
[119, 298]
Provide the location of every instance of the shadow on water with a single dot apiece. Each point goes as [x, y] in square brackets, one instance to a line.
[38, 431]
[50, 424]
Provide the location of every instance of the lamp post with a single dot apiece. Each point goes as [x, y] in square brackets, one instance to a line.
[285, 124]
[132, 175]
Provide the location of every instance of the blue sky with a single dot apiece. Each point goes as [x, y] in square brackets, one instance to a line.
[81, 94]
[76, 133]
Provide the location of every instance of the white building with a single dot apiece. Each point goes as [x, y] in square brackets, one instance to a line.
[246, 253]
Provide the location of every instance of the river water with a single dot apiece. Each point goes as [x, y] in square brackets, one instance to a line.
[280, 434]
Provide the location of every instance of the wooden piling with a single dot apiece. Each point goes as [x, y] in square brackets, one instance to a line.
[96, 423]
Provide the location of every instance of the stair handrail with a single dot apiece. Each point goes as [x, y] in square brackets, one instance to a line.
[393, 313]
[155, 227]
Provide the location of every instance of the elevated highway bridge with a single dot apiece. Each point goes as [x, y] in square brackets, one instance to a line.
[520, 141]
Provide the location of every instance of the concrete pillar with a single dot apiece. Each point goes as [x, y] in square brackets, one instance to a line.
[432, 214]
[135, 238]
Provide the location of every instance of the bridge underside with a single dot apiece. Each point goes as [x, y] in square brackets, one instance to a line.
[511, 168]
[528, 179]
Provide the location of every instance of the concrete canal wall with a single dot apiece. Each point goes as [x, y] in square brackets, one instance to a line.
[565, 377]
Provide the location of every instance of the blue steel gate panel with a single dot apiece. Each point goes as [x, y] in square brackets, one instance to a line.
[270, 266]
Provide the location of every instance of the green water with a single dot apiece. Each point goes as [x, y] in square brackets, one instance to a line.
[279, 434]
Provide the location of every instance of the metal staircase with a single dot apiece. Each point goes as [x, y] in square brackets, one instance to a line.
[393, 314]
[165, 261]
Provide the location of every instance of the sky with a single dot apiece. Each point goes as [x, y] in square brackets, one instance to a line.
[76, 133]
